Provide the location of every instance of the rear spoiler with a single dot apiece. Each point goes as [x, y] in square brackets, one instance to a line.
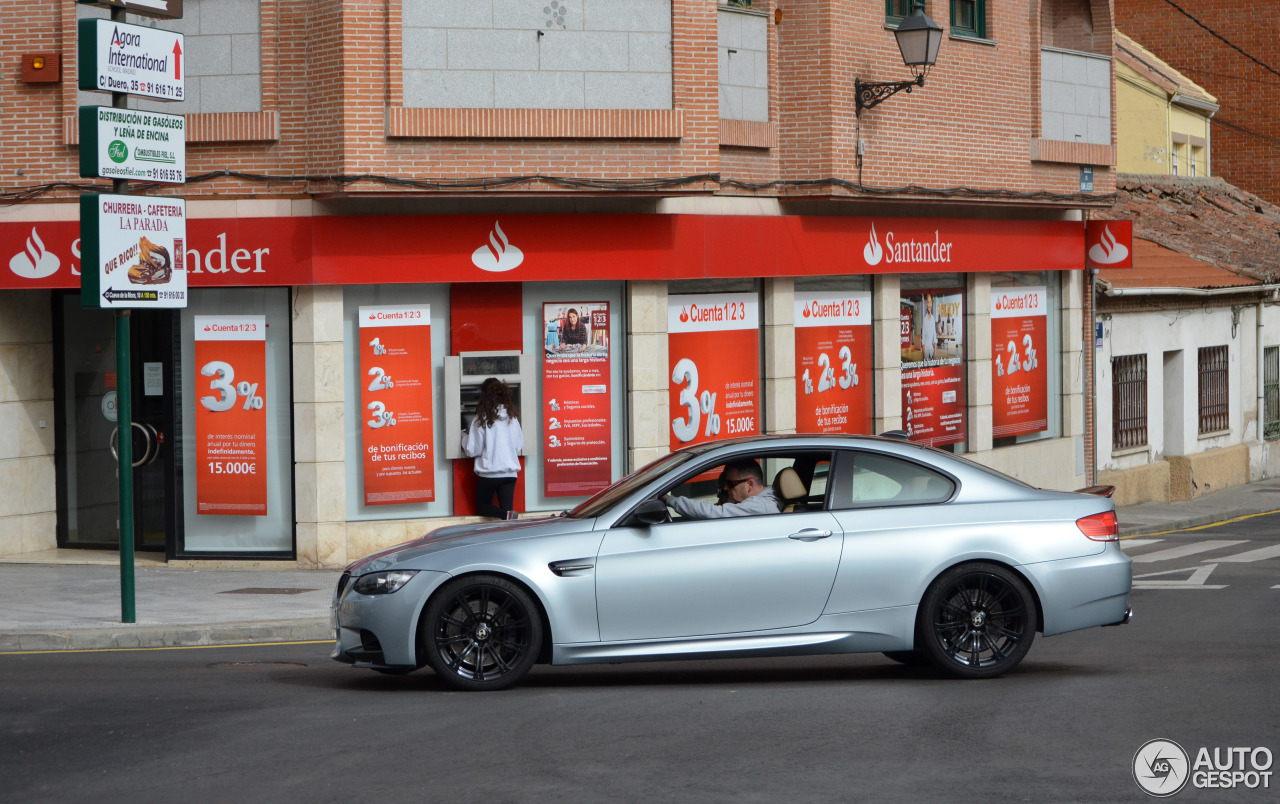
[1099, 491]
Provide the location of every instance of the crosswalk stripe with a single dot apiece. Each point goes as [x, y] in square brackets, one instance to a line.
[1261, 554]
[1187, 550]
[1129, 544]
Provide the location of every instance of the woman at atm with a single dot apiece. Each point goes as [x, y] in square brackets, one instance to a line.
[495, 440]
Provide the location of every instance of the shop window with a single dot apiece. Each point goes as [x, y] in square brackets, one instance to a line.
[1026, 348]
[1214, 404]
[1271, 392]
[834, 377]
[931, 313]
[207, 529]
[365, 428]
[969, 18]
[1128, 401]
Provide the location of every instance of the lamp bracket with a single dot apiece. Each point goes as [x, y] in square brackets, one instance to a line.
[868, 94]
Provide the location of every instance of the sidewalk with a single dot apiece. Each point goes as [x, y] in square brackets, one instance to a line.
[61, 606]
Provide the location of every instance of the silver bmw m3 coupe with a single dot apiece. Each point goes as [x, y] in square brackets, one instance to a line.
[788, 545]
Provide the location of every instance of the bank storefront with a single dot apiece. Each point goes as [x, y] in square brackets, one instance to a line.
[306, 406]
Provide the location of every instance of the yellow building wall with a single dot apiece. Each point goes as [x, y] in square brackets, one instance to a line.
[1142, 124]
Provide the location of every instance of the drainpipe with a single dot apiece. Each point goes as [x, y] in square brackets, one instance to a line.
[1110, 291]
[1261, 369]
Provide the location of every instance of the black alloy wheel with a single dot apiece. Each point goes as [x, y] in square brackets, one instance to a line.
[977, 621]
[481, 632]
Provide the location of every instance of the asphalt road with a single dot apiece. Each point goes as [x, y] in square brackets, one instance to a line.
[285, 723]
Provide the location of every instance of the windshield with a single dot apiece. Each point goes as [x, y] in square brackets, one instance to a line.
[610, 497]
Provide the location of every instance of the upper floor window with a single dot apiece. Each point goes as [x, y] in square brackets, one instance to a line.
[1176, 154]
[969, 18]
[895, 11]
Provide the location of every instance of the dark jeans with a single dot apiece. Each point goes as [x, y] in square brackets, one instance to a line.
[487, 487]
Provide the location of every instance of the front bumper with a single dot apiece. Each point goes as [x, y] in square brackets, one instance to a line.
[380, 630]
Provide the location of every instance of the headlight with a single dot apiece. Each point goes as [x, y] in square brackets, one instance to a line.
[383, 583]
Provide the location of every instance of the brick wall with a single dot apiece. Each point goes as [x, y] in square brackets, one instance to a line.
[1246, 129]
[331, 87]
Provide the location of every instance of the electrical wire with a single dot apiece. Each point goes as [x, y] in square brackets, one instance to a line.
[1222, 38]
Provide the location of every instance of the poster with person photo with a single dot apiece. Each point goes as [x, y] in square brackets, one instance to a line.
[933, 381]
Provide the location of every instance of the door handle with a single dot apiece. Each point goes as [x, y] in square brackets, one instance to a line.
[146, 433]
[153, 444]
[810, 535]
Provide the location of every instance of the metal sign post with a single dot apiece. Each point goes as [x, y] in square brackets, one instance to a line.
[153, 59]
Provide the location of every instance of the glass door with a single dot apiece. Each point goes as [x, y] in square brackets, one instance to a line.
[89, 432]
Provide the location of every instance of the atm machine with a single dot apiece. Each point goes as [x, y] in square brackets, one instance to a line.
[463, 375]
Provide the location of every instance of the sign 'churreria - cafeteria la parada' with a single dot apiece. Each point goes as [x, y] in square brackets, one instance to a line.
[133, 251]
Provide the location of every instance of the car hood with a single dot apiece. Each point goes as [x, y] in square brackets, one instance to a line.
[466, 536]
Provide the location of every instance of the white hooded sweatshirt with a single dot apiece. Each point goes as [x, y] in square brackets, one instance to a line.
[497, 448]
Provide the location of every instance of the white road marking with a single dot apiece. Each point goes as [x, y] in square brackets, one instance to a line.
[1197, 580]
[1261, 554]
[1129, 544]
[1184, 550]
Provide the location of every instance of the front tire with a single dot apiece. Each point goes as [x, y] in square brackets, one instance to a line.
[481, 632]
[977, 621]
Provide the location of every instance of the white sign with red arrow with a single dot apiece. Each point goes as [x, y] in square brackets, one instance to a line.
[136, 60]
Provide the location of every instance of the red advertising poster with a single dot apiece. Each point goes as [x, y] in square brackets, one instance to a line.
[833, 362]
[713, 345]
[1019, 386]
[576, 394]
[395, 404]
[933, 388]
[231, 415]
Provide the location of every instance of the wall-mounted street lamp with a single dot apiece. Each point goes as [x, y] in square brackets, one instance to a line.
[918, 38]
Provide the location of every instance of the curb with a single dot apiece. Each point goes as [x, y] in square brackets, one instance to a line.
[126, 637]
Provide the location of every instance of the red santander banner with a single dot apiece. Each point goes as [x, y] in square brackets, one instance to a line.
[395, 404]
[833, 362]
[933, 385]
[231, 415]
[332, 249]
[576, 394]
[713, 345]
[1019, 387]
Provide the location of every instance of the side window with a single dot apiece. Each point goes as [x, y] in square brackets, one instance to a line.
[870, 479]
[797, 480]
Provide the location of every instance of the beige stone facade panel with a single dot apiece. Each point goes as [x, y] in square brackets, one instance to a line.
[25, 317]
[26, 429]
[647, 362]
[26, 371]
[27, 486]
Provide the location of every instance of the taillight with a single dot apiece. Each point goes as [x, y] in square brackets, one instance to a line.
[1101, 527]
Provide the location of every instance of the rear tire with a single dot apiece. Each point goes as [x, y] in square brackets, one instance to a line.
[977, 621]
[480, 632]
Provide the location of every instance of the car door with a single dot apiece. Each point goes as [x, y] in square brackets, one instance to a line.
[898, 529]
[720, 576]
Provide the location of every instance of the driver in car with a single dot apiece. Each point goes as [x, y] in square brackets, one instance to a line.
[747, 492]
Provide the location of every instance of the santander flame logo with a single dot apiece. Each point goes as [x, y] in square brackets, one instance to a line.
[805, 312]
[499, 254]
[684, 315]
[872, 252]
[1107, 251]
[35, 262]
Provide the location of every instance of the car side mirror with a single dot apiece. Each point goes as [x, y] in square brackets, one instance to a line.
[651, 512]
